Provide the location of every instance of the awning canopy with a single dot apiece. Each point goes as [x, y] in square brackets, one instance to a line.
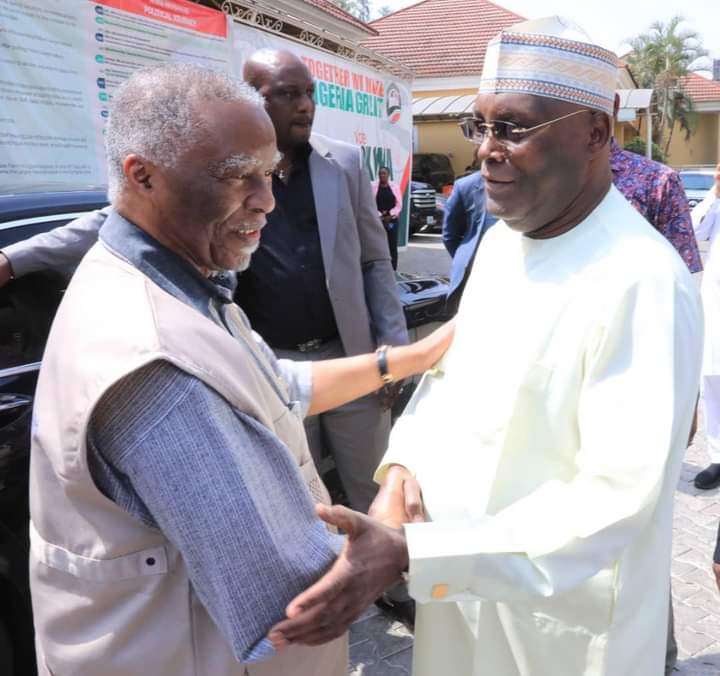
[443, 106]
[631, 100]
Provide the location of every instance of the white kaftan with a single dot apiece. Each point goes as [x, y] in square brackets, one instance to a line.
[548, 450]
[706, 222]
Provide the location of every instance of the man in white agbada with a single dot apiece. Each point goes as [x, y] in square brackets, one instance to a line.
[548, 444]
[706, 222]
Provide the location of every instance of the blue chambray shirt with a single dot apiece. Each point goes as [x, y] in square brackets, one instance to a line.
[219, 485]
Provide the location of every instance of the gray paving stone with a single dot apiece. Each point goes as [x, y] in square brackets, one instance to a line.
[714, 509]
[693, 642]
[703, 577]
[697, 555]
[704, 598]
[683, 589]
[401, 661]
[681, 568]
[689, 615]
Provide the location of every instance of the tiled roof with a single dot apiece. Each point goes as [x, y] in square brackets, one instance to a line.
[440, 38]
[701, 89]
[339, 13]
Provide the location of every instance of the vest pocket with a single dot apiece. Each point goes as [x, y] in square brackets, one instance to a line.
[150, 561]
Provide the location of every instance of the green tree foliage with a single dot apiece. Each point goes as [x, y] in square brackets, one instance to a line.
[660, 58]
[358, 8]
[637, 145]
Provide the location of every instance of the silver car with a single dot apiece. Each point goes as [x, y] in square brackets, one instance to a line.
[697, 182]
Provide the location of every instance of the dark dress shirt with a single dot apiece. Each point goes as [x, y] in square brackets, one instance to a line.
[284, 291]
[385, 199]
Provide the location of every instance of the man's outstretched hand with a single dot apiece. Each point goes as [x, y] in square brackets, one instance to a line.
[371, 561]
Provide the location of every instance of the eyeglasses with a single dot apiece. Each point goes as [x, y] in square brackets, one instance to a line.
[476, 130]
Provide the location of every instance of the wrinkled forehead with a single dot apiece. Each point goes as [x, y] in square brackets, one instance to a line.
[243, 163]
[232, 129]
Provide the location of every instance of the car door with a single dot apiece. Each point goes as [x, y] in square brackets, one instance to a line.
[27, 308]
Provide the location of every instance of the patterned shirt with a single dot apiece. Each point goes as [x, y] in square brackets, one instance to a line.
[657, 193]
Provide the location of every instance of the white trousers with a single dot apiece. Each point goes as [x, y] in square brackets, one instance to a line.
[711, 407]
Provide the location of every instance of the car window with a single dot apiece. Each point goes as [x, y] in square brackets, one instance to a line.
[441, 162]
[28, 304]
[696, 181]
[27, 308]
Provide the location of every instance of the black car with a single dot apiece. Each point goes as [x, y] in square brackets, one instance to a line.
[433, 168]
[427, 208]
[27, 308]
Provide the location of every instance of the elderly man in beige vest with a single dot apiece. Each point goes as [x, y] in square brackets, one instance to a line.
[171, 485]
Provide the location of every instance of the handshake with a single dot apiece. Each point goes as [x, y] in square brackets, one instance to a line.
[372, 560]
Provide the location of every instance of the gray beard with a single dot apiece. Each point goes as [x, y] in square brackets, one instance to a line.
[243, 264]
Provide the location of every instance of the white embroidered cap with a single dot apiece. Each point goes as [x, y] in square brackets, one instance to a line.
[551, 57]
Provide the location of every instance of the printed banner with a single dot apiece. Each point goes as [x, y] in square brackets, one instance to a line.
[123, 36]
[60, 64]
[354, 104]
[47, 137]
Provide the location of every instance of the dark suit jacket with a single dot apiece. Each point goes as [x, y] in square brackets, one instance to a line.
[466, 221]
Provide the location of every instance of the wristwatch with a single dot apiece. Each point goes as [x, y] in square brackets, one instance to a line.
[382, 363]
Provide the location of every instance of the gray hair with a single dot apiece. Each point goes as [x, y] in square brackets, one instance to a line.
[155, 114]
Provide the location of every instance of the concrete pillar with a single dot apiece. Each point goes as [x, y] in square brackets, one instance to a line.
[620, 134]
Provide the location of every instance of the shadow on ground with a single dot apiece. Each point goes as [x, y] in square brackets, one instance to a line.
[703, 665]
[379, 647]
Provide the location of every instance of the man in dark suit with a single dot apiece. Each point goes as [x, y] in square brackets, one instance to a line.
[321, 285]
[466, 221]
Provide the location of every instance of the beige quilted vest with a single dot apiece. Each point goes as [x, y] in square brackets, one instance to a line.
[112, 597]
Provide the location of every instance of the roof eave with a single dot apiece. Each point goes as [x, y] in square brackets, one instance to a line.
[352, 28]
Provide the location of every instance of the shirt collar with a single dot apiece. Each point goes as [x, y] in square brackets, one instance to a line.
[170, 272]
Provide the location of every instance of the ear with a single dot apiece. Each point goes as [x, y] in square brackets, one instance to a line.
[600, 131]
[138, 172]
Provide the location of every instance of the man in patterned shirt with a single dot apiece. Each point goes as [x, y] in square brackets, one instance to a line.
[657, 193]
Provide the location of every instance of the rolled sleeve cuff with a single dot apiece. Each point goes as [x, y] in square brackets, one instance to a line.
[299, 378]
